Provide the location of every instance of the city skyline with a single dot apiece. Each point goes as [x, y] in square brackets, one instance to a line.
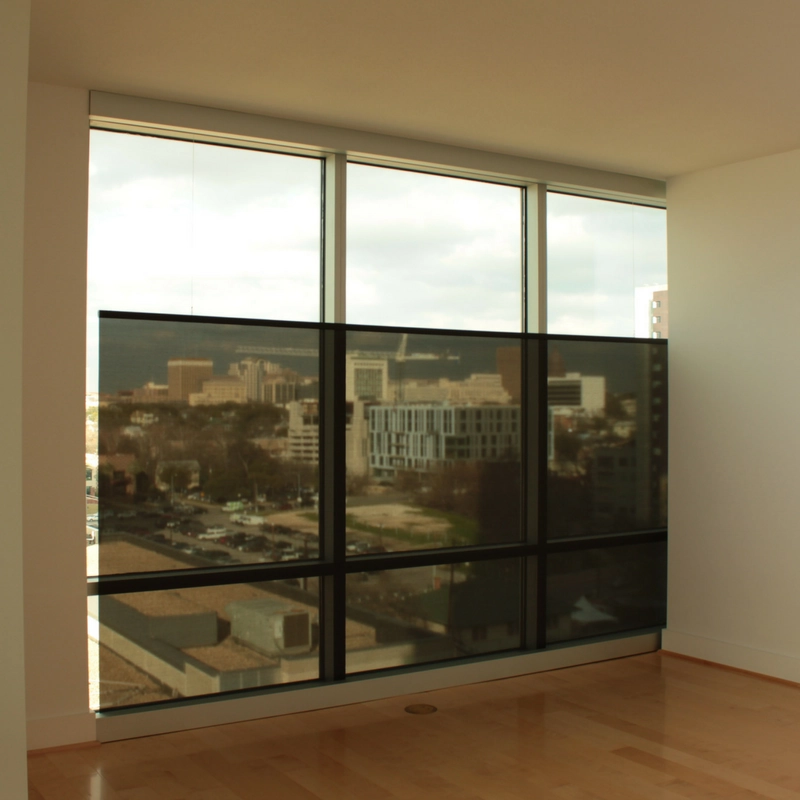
[136, 351]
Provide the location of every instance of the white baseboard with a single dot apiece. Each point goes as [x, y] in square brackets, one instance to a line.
[45, 732]
[775, 665]
[201, 714]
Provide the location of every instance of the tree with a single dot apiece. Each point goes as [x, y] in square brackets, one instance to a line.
[176, 475]
[454, 488]
[499, 502]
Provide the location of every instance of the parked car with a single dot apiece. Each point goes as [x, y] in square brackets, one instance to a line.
[220, 556]
[214, 532]
[257, 544]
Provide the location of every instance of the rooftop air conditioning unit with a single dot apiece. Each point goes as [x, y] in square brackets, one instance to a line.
[271, 626]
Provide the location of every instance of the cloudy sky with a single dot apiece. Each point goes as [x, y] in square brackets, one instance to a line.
[183, 228]
[598, 253]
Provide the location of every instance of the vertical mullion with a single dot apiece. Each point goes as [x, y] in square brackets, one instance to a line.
[339, 505]
[334, 227]
[531, 439]
[542, 416]
[332, 468]
[535, 258]
[332, 416]
[327, 475]
[332, 496]
[536, 413]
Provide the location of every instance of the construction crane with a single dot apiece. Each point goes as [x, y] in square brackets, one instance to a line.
[400, 355]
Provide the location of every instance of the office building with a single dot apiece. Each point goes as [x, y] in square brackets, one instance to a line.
[218, 390]
[576, 393]
[366, 378]
[185, 377]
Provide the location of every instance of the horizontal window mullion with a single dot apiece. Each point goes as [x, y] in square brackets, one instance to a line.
[605, 540]
[212, 576]
[437, 557]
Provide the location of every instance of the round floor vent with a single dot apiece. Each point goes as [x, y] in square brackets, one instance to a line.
[421, 708]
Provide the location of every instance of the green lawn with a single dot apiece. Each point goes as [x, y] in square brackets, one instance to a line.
[461, 530]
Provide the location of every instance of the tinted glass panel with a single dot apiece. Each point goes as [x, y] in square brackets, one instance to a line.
[414, 616]
[433, 441]
[606, 267]
[607, 437]
[152, 646]
[593, 592]
[432, 251]
[208, 446]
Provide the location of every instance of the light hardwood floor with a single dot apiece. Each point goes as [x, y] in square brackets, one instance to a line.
[651, 726]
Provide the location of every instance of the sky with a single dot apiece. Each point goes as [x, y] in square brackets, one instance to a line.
[598, 253]
[187, 228]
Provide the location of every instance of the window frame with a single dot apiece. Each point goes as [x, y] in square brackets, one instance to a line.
[339, 147]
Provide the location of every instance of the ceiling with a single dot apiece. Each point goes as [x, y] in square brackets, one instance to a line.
[647, 87]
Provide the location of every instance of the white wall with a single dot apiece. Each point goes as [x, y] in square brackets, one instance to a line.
[734, 564]
[14, 23]
[53, 417]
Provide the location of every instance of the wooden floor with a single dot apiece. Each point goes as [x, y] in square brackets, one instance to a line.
[652, 726]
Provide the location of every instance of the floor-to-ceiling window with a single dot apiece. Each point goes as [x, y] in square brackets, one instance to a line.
[286, 489]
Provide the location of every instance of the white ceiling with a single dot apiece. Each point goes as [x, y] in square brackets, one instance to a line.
[648, 87]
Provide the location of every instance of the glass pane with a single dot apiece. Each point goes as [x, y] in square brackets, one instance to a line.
[592, 592]
[424, 614]
[186, 228]
[606, 267]
[433, 441]
[431, 251]
[207, 446]
[607, 437]
[163, 645]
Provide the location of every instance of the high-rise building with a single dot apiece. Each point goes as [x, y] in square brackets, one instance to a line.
[575, 392]
[185, 376]
[303, 432]
[279, 390]
[366, 378]
[659, 318]
[509, 367]
[651, 305]
[252, 372]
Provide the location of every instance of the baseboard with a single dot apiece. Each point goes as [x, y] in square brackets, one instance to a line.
[69, 729]
[748, 659]
[204, 713]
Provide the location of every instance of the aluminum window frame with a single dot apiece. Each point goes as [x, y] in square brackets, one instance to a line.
[338, 147]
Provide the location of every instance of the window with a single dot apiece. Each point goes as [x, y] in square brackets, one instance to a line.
[284, 498]
[604, 262]
[432, 251]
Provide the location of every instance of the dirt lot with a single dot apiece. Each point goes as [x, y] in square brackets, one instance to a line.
[396, 515]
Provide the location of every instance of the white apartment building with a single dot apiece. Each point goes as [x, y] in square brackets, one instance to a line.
[577, 393]
[421, 438]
